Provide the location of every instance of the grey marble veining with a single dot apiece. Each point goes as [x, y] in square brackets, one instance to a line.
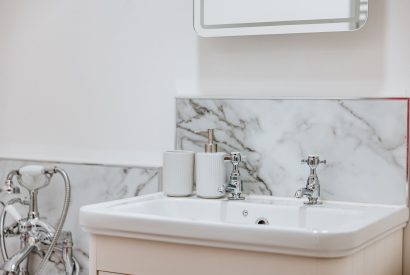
[363, 141]
[90, 184]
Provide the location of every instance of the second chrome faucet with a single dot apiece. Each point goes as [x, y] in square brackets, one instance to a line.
[312, 189]
[234, 185]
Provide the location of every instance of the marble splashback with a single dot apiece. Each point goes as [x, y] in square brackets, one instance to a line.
[90, 184]
[364, 142]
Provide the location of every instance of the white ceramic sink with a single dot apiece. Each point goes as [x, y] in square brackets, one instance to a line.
[334, 229]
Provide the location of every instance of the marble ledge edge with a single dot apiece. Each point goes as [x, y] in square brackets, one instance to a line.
[218, 97]
[135, 159]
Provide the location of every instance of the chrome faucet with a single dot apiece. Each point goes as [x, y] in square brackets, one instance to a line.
[234, 186]
[312, 189]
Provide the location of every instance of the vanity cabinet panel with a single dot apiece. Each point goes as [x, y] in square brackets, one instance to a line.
[135, 257]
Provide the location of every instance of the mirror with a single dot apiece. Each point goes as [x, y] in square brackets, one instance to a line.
[214, 18]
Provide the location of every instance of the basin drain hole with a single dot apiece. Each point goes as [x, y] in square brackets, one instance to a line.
[262, 221]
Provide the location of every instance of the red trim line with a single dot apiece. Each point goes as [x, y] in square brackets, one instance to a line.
[397, 98]
[408, 138]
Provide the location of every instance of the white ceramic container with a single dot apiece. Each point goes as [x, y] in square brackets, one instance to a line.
[210, 175]
[178, 173]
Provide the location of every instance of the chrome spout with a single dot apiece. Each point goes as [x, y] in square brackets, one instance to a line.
[9, 186]
[13, 264]
[300, 193]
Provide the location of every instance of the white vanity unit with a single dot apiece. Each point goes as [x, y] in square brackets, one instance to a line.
[155, 234]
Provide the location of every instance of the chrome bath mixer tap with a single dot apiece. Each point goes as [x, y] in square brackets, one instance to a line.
[36, 235]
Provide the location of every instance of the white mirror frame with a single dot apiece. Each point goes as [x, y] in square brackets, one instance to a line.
[346, 23]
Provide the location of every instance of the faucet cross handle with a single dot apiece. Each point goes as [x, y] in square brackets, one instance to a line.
[313, 161]
[235, 157]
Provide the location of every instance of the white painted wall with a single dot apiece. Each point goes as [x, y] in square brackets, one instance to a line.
[92, 79]
[95, 80]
